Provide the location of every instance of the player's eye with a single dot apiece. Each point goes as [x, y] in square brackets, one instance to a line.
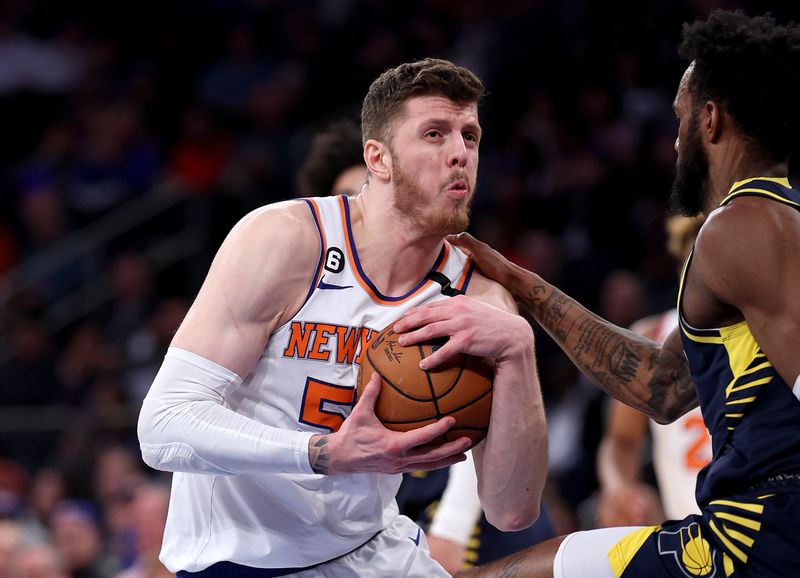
[433, 133]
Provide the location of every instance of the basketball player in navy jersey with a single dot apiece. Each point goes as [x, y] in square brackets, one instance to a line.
[735, 349]
[276, 473]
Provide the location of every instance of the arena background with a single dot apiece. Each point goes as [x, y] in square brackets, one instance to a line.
[134, 134]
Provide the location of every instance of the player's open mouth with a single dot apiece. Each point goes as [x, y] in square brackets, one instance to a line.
[458, 189]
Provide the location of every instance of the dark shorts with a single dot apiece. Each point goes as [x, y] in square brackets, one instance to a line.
[488, 543]
[754, 534]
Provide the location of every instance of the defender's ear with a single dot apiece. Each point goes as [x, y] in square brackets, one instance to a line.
[711, 121]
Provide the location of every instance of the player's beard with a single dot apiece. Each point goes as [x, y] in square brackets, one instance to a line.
[410, 202]
[690, 185]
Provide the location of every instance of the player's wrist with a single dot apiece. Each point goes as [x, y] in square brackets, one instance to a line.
[520, 282]
[520, 341]
[319, 454]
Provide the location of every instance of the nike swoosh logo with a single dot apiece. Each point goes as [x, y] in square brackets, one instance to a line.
[323, 285]
[416, 540]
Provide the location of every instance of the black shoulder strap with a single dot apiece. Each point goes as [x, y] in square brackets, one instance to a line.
[441, 279]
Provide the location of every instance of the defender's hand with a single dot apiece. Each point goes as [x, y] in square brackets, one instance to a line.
[490, 262]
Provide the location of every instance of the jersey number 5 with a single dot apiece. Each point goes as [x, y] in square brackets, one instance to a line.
[326, 405]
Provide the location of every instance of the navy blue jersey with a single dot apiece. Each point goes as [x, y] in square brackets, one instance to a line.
[750, 411]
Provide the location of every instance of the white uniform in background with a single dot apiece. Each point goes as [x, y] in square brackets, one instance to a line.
[680, 449]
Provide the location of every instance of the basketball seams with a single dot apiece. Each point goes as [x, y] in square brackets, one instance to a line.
[422, 402]
[434, 398]
[457, 378]
[472, 401]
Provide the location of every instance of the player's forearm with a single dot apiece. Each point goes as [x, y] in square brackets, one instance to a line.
[617, 464]
[184, 427]
[512, 461]
[459, 507]
[631, 368]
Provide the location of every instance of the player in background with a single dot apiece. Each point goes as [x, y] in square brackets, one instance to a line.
[276, 472]
[334, 164]
[735, 351]
[444, 502]
[679, 450]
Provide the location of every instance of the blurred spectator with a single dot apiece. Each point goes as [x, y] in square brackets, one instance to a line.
[147, 346]
[9, 248]
[48, 488]
[37, 561]
[201, 152]
[10, 543]
[88, 356]
[148, 515]
[133, 286]
[79, 541]
[116, 159]
[228, 83]
[30, 64]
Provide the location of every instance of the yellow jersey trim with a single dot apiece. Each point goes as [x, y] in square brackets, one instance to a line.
[783, 181]
[621, 553]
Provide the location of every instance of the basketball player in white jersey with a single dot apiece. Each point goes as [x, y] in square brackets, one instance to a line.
[276, 472]
[679, 449]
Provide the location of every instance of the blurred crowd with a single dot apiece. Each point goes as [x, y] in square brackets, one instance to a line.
[104, 105]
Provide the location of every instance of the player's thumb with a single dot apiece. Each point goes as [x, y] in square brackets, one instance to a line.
[369, 395]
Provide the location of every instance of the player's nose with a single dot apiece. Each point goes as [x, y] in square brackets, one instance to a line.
[458, 154]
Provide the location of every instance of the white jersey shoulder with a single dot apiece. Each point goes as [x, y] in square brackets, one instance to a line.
[680, 449]
[305, 381]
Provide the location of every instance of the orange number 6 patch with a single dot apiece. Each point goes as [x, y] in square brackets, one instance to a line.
[325, 405]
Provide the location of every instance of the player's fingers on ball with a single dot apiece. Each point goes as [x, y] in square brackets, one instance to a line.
[429, 331]
[434, 453]
[436, 464]
[419, 316]
[441, 355]
[428, 433]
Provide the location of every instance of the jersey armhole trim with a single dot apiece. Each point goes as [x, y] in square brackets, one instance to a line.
[323, 247]
[466, 276]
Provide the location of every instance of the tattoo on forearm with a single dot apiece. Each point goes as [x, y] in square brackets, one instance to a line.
[613, 358]
[552, 308]
[623, 362]
[512, 567]
[537, 295]
[320, 458]
[671, 384]
[609, 354]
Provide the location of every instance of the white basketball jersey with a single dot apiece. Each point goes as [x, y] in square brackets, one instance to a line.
[303, 381]
[680, 449]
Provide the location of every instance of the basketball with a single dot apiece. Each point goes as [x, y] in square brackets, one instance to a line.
[411, 398]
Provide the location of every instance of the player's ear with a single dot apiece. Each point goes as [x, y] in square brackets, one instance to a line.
[712, 120]
[378, 159]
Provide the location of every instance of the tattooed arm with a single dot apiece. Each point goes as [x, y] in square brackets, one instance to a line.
[637, 371]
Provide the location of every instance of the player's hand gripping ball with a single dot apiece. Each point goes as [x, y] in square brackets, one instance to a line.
[411, 397]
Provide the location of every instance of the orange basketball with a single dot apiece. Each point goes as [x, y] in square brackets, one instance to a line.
[411, 398]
